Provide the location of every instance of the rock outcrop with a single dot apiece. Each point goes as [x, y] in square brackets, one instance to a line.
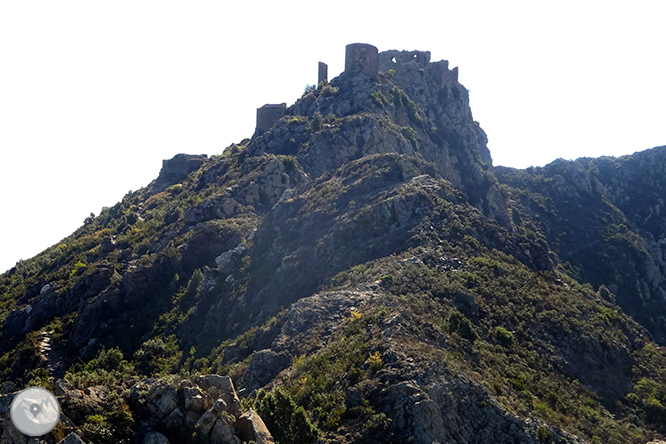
[209, 408]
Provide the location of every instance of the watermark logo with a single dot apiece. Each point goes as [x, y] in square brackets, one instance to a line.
[35, 411]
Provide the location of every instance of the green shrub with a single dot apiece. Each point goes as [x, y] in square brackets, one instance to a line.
[79, 267]
[375, 361]
[111, 427]
[328, 91]
[379, 98]
[286, 422]
[194, 283]
[544, 435]
[157, 356]
[458, 323]
[309, 89]
[504, 336]
[317, 122]
[378, 422]
[109, 360]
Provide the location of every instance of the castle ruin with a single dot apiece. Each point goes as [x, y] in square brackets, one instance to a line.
[398, 60]
[323, 73]
[362, 58]
[365, 59]
[268, 114]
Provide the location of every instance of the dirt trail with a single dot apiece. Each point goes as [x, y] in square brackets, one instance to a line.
[52, 356]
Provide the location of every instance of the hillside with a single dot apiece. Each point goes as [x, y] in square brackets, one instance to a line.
[362, 274]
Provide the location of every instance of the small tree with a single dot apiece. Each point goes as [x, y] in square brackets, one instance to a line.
[287, 423]
[308, 89]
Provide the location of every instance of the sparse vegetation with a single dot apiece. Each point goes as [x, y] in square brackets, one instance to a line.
[383, 279]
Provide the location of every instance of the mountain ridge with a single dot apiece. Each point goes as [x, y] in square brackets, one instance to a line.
[360, 267]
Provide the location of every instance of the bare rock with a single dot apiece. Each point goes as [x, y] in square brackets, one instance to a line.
[217, 425]
[265, 366]
[252, 428]
[81, 403]
[72, 438]
[107, 246]
[226, 258]
[195, 400]
[223, 433]
[10, 435]
[222, 387]
[158, 398]
[155, 438]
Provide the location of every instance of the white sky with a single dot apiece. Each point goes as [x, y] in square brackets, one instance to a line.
[93, 95]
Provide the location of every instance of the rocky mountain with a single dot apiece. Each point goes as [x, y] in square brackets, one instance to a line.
[356, 272]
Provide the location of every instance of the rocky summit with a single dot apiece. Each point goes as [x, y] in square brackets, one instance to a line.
[357, 271]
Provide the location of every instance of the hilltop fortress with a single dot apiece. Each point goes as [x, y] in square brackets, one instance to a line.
[365, 60]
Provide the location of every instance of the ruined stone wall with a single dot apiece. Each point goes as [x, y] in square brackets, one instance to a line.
[389, 58]
[362, 58]
[268, 114]
[399, 61]
[323, 73]
[176, 169]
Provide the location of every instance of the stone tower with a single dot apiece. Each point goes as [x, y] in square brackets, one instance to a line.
[362, 58]
[268, 114]
[323, 73]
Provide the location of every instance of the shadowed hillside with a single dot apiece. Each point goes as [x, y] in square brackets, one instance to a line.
[356, 272]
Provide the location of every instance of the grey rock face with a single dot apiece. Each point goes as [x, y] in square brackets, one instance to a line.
[222, 387]
[605, 216]
[155, 438]
[413, 107]
[81, 403]
[265, 366]
[252, 428]
[209, 406]
[10, 434]
[73, 438]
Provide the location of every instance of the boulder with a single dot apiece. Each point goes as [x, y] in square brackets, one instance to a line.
[223, 433]
[222, 387]
[194, 399]
[158, 398]
[217, 425]
[81, 403]
[155, 438]
[252, 428]
[265, 366]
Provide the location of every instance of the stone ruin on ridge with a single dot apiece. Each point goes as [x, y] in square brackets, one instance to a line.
[365, 59]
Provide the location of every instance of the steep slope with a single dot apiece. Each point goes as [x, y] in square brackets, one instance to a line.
[359, 259]
[604, 218]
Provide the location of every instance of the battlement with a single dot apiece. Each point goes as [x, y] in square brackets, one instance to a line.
[268, 114]
[362, 58]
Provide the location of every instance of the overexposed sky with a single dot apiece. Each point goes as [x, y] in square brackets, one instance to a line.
[93, 95]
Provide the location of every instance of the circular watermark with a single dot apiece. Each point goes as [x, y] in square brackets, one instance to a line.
[35, 411]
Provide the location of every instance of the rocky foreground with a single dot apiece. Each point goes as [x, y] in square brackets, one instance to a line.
[208, 409]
